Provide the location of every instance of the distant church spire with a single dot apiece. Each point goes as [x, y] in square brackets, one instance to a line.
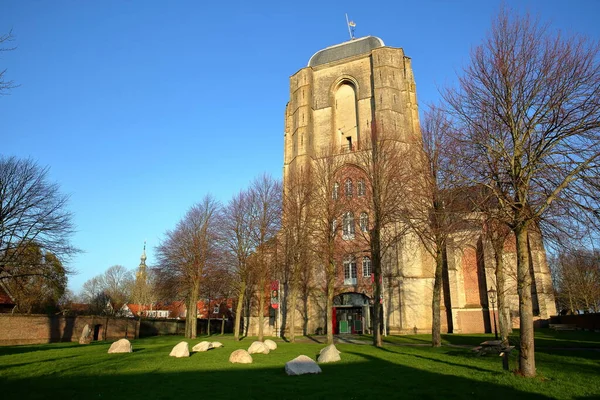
[143, 258]
[141, 273]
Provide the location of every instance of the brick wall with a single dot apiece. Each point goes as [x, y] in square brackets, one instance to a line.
[28, 329]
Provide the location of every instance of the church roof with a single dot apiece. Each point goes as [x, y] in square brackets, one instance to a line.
[340, 51]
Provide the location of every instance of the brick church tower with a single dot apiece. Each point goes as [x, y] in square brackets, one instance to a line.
[333, 104]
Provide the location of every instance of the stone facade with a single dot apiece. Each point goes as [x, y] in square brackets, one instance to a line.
[333, 104]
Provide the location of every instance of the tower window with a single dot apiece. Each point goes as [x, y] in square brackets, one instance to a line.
[367, 270]
[361, 188]
[348, 187]
[364, 222]
[336, 191]
[348, 225]
[350, 271]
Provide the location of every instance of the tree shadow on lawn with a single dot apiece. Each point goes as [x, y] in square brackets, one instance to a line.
[369, 377]
[9, 366]
[27, 348]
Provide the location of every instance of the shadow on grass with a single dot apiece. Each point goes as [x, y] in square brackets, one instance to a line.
[49, 360]
[20, 349]
[370, 377]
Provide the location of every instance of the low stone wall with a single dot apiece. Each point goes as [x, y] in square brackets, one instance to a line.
[30, 329]
[159, 327]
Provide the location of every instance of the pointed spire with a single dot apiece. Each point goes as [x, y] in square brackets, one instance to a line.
[141, 272]
[143, 258]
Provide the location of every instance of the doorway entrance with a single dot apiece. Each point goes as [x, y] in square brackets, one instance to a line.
[350, 313]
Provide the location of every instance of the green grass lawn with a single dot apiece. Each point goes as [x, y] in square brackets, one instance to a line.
[73, 371]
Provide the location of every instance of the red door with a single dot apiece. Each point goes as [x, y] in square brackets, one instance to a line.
[334, 321]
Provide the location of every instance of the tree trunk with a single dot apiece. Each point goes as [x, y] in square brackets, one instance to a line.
[330, 284]
[138, 327]
[527, 351]
[222, 324]
[191, 319]
[377, 312]
[436, 329]
[292, 319]
[261, 310]
[238, 311]
[208, 319]
[503, 320]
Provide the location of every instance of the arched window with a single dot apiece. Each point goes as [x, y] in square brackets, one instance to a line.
[367, 267]
[348, 225]
[336, 191]
[350, 273]
[364, 222]
[346, 122]
[361, 188]
[348, 187]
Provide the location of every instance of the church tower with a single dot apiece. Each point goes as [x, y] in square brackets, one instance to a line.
[141, 274]
[334, 103]
[343, 89]
[349, 93]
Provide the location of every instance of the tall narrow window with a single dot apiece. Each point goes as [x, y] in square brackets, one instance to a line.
[350, 273]
[348, 187]
[366, 267]
[345, 118]
[361, 188]
[336, 191]
[348, 225]
[364, 222]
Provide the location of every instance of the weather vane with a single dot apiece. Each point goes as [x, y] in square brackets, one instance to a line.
[351, 26]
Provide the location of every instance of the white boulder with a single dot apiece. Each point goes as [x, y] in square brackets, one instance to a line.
[329, 354]
[270, 344]
[86, 335]
[182, 349]
[302, 365]
[202, 346]
[240, 356]
[120, 346]
[258, 347]
[216, 345]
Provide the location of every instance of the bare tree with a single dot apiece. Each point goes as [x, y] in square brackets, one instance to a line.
[385, 162]
[6, 85]
[92, 293]
[265, 202]
[117, 282]
[236, 236]
[187, 251]
[578, 280]
[297, 219]
[327, 210]
[529, 112]
[440, 204]
[32, 212]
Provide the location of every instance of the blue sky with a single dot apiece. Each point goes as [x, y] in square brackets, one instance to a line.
[140, 108]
